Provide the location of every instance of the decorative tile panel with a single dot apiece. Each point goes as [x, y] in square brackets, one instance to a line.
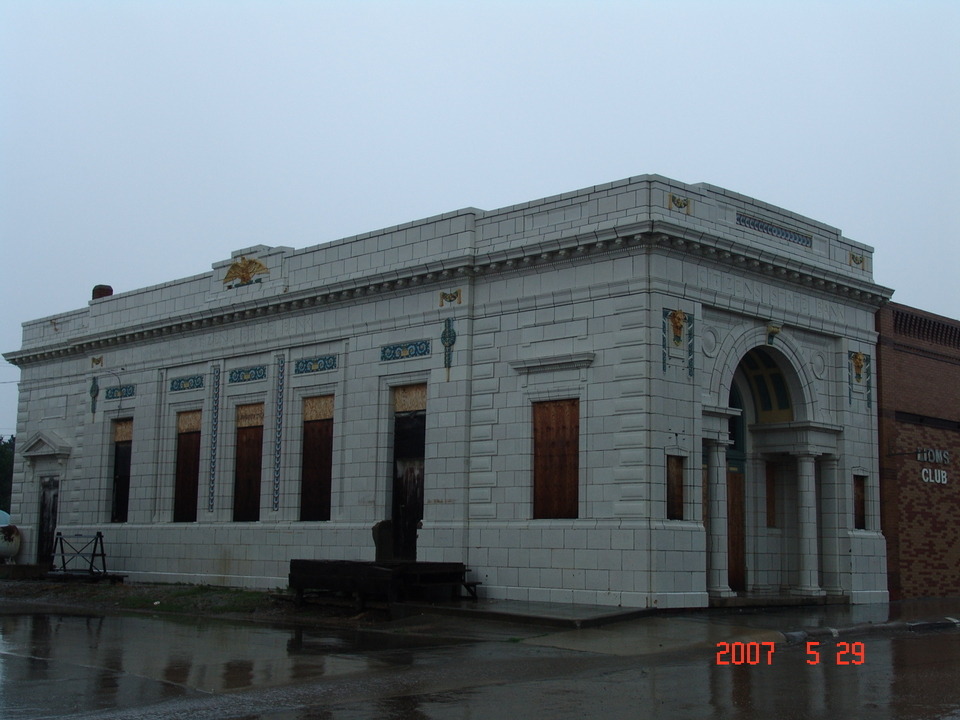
[191, 382]
[214, 426]
[404, 351]
[278, 440]
[315, 364]
[859, 376]
[119, 392]
[248, 374]
[774, 230]
[448, 339]
[676, 323]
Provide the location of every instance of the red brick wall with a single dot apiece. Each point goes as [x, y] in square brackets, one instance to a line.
[918, 368]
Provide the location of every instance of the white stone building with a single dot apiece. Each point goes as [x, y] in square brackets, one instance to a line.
[643, 394]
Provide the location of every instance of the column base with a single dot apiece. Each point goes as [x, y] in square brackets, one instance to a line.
[721, 592]
[807, 592]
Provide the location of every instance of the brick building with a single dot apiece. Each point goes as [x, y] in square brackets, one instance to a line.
[919, 390]
[643, 393]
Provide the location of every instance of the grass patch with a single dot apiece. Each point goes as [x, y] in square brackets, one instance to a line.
[192, 599]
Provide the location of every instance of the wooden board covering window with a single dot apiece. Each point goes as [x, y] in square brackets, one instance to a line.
[409, 398]
[860, 502]
[246, 479]
[188, 467]
[318, 408]
[316, 466]
[556, 458]
[674, 487]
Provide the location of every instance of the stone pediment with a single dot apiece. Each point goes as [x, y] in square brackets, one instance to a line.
[46, 444]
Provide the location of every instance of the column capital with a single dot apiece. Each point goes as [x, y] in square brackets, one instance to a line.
[714, 442]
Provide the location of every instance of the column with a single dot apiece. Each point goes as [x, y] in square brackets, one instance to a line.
[717, 580]
[809, 581]
[835, 520]
[758, 546]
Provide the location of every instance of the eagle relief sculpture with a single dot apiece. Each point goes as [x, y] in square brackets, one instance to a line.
[243, 271]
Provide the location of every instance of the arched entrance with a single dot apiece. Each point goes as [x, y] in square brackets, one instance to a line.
[767, 509]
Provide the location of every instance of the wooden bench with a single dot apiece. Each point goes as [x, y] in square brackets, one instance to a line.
[392, 580]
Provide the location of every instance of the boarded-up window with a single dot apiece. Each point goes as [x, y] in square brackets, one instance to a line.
[860, 502]
[771, 493]
[188, 467]
[246, 478]
[122, 451]
[316, 467]
[556, 458]
[674, 487]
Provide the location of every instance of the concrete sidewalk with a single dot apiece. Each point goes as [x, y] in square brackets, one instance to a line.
[619, 631]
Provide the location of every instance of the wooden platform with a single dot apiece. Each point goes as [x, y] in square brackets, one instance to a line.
[391, 580]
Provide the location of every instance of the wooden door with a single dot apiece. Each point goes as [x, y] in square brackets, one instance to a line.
[246, 487]
[49, 506]
[316, 470]
[556, 458]
[736, 533]
[188, 477]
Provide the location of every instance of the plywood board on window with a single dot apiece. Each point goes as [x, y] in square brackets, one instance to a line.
[250, 415]
[318, 408]
[123, 430]
[409, 398]
[188, 421]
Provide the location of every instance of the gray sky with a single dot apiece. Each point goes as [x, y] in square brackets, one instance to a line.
[142, 141]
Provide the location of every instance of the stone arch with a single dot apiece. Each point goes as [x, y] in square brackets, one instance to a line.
[765, 513]
[785, 350]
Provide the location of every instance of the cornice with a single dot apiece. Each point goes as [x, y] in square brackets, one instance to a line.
[646, 236]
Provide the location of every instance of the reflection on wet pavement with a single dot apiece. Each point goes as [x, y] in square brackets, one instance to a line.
[144, 668]
[52, 665]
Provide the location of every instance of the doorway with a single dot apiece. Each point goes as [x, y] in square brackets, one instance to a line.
[49, 505]
[409, 449]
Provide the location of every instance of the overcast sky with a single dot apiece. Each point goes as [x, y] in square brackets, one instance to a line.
[143, 141]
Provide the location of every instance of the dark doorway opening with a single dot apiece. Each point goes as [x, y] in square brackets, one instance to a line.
[409, 443]
[49, 505]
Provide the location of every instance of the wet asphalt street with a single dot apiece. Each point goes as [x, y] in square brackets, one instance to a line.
[141, 667]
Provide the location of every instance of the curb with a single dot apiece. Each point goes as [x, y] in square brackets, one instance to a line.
[946, 623]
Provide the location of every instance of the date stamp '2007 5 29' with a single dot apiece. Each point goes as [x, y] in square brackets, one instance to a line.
[761, 653]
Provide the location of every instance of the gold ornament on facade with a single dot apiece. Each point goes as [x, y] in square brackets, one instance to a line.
[679, 203]
[244, 269]
[859, 360]
[456, 296]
